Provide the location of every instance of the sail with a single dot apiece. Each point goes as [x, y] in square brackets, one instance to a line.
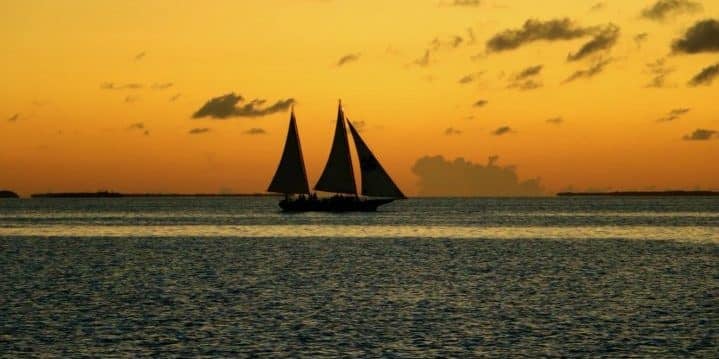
[338, 175]
[291, 176]
[375, 180]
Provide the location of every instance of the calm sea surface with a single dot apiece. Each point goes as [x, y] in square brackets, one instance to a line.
[423, 277]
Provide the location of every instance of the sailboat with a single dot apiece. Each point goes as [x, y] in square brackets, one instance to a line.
[337, 177]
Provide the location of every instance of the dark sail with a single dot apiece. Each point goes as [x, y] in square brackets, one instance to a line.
[338, 175]
[291, 176]
[375, 180]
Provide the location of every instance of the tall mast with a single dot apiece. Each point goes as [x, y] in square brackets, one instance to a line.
[291, 175]
[338, 175]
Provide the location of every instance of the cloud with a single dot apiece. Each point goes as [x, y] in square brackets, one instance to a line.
[161, 86]
[529, 72]
[140, 56]
[598, 6]
[523, 80]
[502, 131]
[452, 131]
[535, 30]
[114, 86]
[525, 85]
[480, 103]
[660, 72]
[255, 131]
[706, 76]
[14, 118]
[136, 126]
[640, 38]
[199, 131]
[225, 106]
[470, 77]
[604, 40]
[701, 134]
[674, 114]
[423, 61]
[555, 120]
[664, 9]
[466, 3]
[131, 99]
[592, 71]
[440, 177]
[346, 59]
[359, 125]
[703, 36]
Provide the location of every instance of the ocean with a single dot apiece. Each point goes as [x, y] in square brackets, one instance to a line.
[234, 277]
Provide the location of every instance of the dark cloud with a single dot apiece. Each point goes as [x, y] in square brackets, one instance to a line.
[440, 177]
[535, 30]
[524, 79]
[604, 40]
[136, 126]
[161, 86]
[525, 85]
[703, 36]
[199, 131]
[480, 103]
[664, 9]
[555, 120]
[226, 106]
[452, 131]
[423, 61]
[701, 134]
[359, 125]
[529, 72]
[502, 131]
[175, 97]
[660, 71]
[346, 59]
[471, 39]
[598, 6]
[14, 118]
[706, 76]
[140, 56]
[674, 114]
[592, 71]
[640, 38]
[255, 131]
[470, 77]
[466, 3]
[114, 86]
[131, 99]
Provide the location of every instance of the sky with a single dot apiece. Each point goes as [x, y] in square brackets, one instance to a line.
[458, 97]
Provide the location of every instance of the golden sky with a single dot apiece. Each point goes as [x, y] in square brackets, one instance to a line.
[101, 94]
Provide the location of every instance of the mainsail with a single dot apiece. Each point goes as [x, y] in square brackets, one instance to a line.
[338, 175]
[375, 180]
[291, 176]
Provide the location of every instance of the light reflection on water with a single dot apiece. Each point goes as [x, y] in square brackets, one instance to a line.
[688, 234]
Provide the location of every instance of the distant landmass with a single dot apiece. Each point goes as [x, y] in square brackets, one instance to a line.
[642, 193]
[8, 194]
[108, 194]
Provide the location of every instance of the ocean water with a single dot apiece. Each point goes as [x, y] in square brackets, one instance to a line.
[583, 276]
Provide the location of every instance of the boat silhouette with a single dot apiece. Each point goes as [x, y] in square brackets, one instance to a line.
[337, 177]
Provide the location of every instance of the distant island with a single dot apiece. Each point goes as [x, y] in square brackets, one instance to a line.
[109, 194]
[8, 194]
[641, 193]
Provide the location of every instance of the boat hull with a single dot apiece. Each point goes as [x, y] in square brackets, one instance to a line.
[333, 204]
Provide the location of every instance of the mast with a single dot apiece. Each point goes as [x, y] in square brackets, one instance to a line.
[338, 175]
[291, 176]
[376, 182]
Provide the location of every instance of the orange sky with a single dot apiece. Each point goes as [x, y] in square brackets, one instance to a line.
[63, 129]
